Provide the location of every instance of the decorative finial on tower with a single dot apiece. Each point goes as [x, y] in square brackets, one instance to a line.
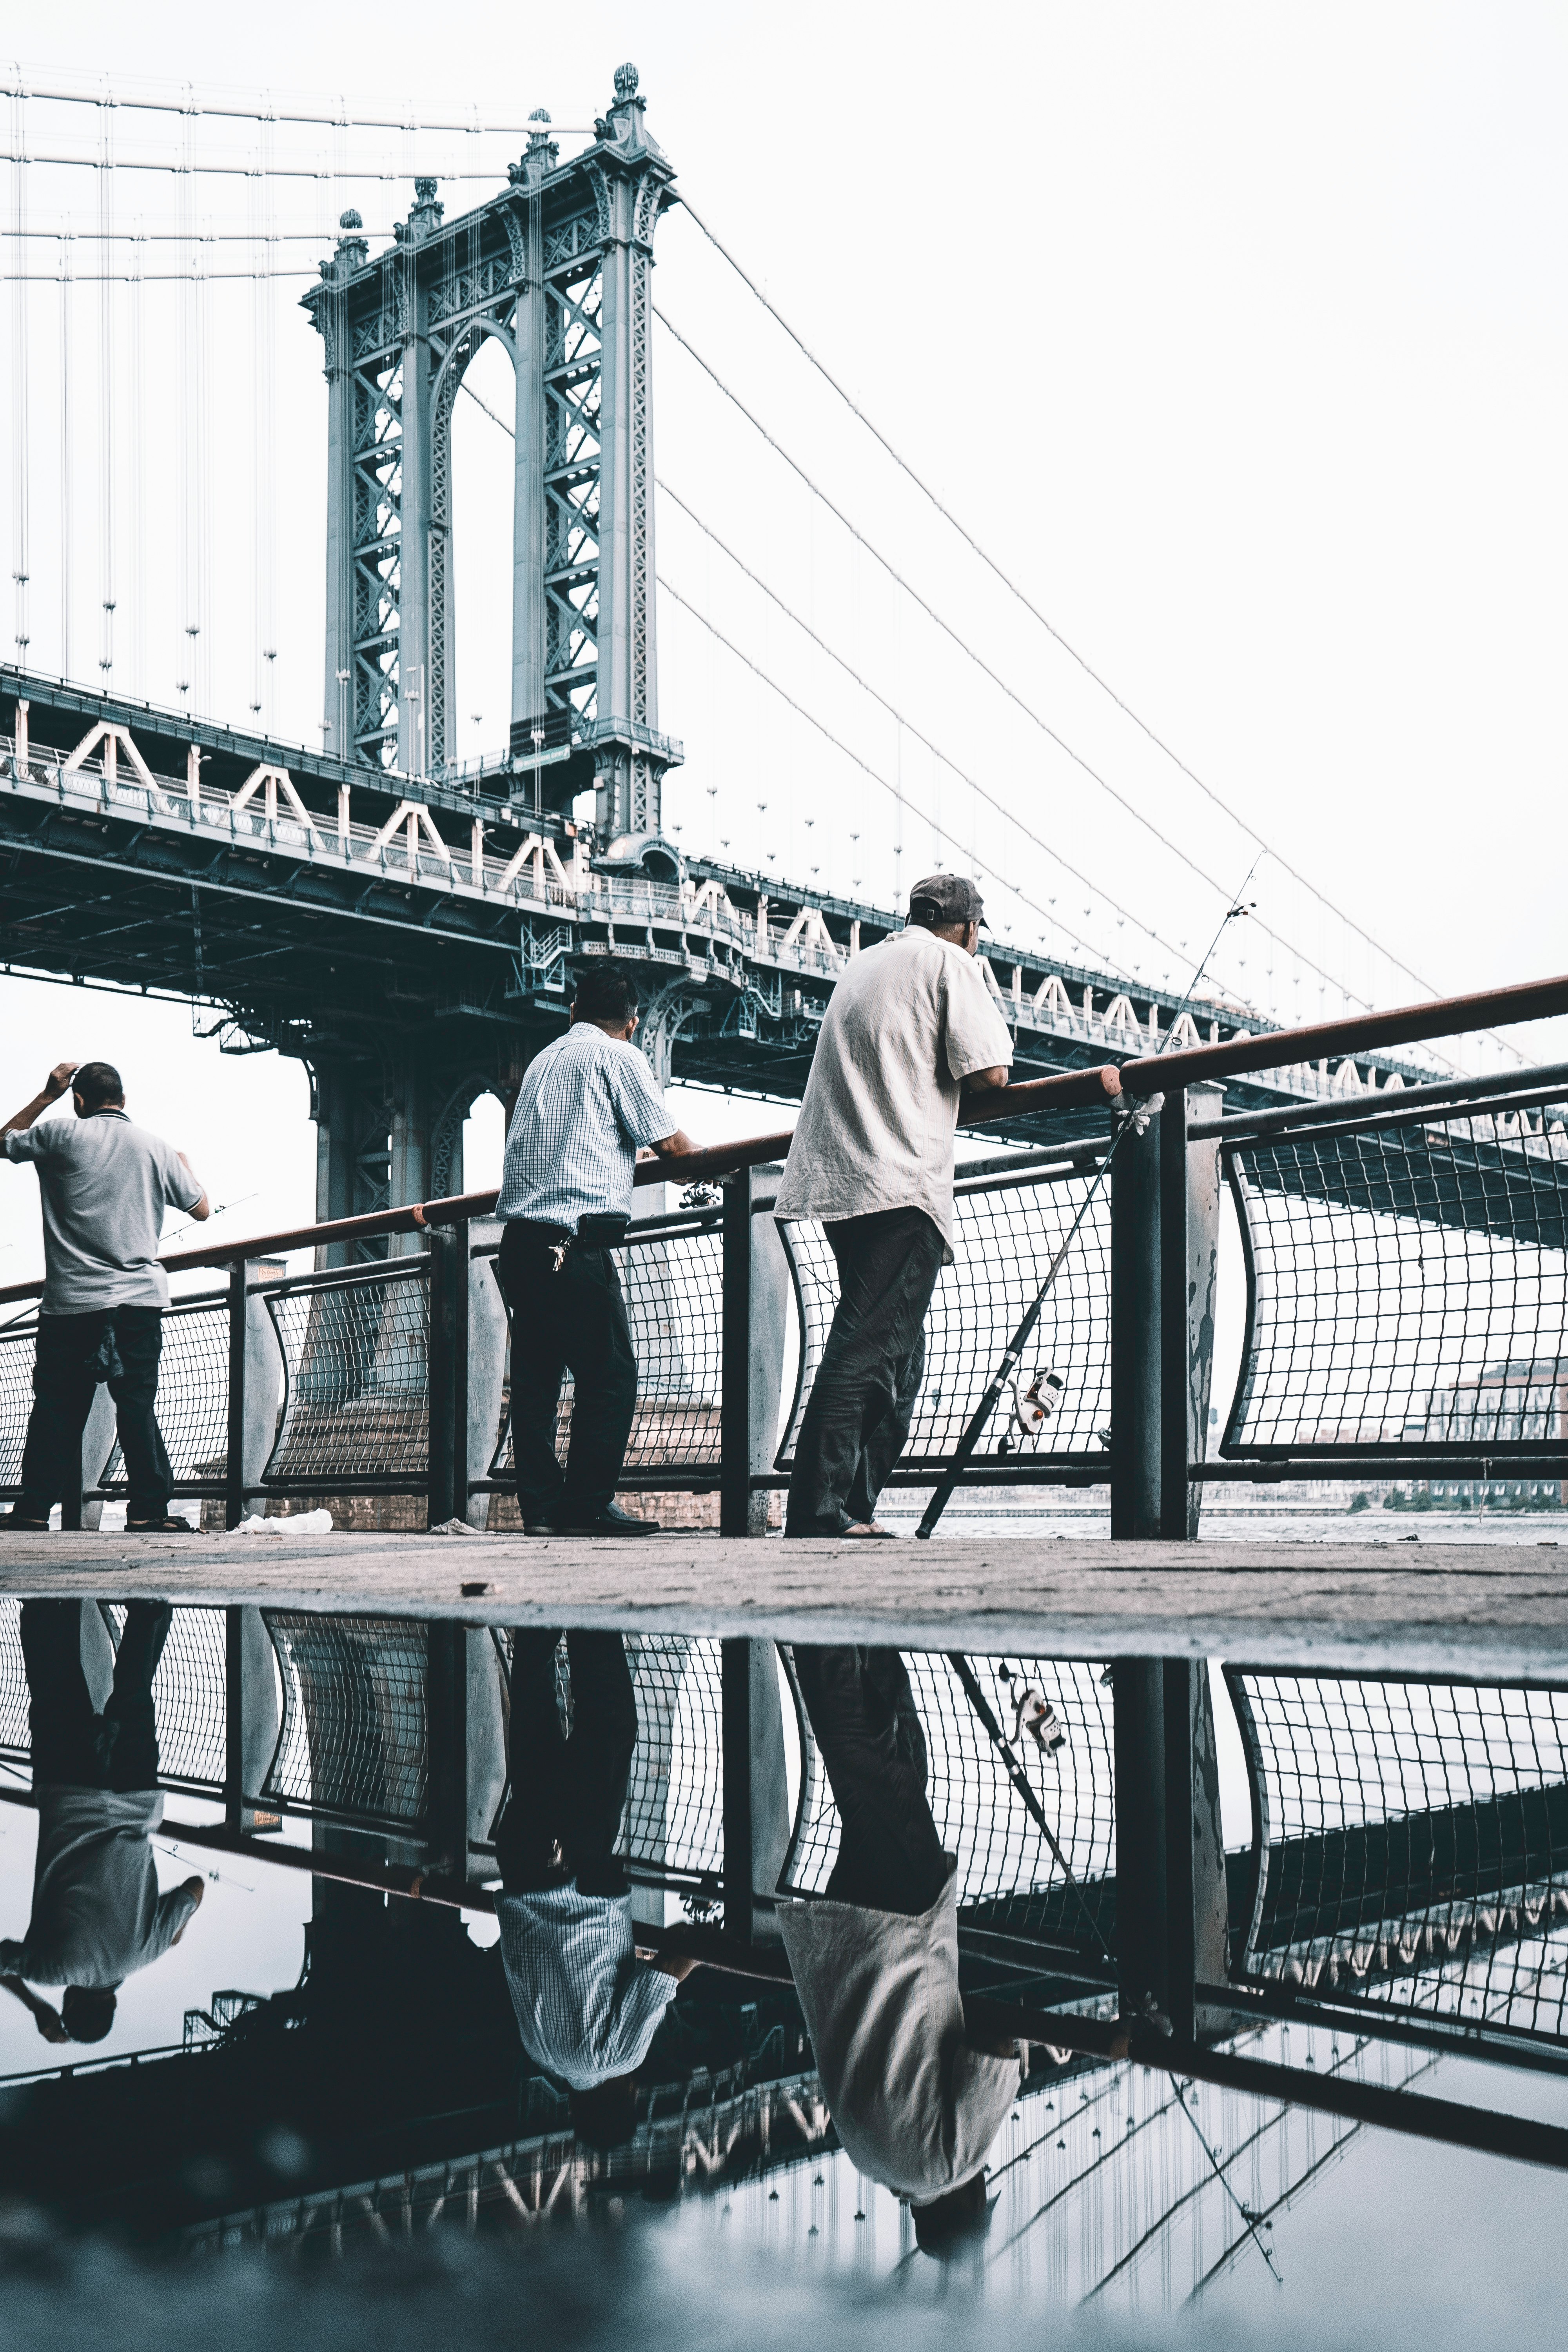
[625, 85]
[425, 218]
[353, 252]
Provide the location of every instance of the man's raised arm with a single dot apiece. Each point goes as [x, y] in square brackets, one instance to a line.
[54, 1086]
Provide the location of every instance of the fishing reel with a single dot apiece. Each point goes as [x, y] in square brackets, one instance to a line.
[1032, 1406]
[1033, 1715]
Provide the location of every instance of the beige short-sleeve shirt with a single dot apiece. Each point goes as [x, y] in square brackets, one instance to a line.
[907, 1021]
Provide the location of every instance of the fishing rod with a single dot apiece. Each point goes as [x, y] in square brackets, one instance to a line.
[1130, 1119]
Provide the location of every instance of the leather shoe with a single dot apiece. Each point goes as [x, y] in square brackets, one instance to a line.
[612, 1521]
[540, 1528]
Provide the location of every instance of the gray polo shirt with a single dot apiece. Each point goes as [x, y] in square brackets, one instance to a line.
[96, 1911]
[105, 1184]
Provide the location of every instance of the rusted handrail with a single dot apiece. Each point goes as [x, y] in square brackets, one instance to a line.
[1443, 1016]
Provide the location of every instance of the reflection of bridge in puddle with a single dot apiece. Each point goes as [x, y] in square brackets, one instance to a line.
[1101, 2190]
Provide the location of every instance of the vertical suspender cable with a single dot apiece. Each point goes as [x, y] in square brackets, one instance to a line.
[268, 373]
[138, 479]
[204, 500]
[65, 457]
[20, 388]
[257, 298]
[186, 667]
[106, 379]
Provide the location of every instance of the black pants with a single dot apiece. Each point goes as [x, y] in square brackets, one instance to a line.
[873, 1745]
[119, 1748]
[575, 1321]
[122, 1345]
[567, 1795]
[857, 1419]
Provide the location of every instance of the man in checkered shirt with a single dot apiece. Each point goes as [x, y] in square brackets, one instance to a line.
[587, 2002]
[586, 1106]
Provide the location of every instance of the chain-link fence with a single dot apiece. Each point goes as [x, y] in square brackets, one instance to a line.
[672, 1277]
[1006, 1230]
[192, 1399]
[1040, 1864]
[354, 1740]
[1407, 1284]
[356, 1369]
[1410, 1849]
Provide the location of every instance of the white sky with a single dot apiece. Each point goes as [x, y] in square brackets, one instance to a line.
[1237, 334]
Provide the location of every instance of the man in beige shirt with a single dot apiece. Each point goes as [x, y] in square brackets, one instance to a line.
[909, 1026]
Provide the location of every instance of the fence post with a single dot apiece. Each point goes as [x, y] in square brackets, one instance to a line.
[486, 1373]
[251, 1719]
[1135, 1352]
[755, 1293]
[1171, 1896]
[447, 1368]
[234, 1461]
[447, 1735]
[756, 1796]
[1189, 1259]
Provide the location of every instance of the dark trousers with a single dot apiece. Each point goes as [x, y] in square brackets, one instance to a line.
[572, 1319]
[121, 1346]
[119, 1748]
[567, 1795]
[857, 1418]
[873, 1747]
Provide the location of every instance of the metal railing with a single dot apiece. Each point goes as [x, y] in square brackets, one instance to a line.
[1406, 1311]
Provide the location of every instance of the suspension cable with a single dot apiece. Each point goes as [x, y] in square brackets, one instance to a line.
[1013, 590]
[908, 725]
[933, 819]
[1044, 725]
[839, 745]
[337, 120]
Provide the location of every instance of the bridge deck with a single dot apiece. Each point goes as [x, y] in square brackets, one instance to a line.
[1483, 1610]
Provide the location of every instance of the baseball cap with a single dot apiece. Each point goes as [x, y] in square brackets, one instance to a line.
[947, 899]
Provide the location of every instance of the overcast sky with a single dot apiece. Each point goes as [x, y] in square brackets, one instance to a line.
[1235, 334]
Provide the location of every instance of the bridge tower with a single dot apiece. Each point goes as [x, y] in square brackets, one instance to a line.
[557, 269]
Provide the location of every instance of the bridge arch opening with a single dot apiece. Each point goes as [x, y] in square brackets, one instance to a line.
[482, 500]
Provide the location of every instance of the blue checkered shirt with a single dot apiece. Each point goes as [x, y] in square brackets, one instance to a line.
[587, 2008]
[587, 1103]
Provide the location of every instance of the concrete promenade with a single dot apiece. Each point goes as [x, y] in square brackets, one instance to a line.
[1490, 1610]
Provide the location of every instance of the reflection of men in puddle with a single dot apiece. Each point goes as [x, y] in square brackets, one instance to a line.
[875, 1961]
[96, 1911]
[587, 2006]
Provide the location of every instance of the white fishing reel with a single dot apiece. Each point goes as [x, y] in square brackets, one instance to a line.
[1033, 1406]
[1033, 1716]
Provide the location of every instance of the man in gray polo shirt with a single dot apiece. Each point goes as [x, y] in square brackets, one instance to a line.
[104, 1184]
[908, 1027]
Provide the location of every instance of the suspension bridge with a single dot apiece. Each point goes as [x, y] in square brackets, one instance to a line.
[405, 919]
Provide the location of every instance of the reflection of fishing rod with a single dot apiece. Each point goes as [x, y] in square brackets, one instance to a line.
[1020, 1779]
[1126, 1119]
